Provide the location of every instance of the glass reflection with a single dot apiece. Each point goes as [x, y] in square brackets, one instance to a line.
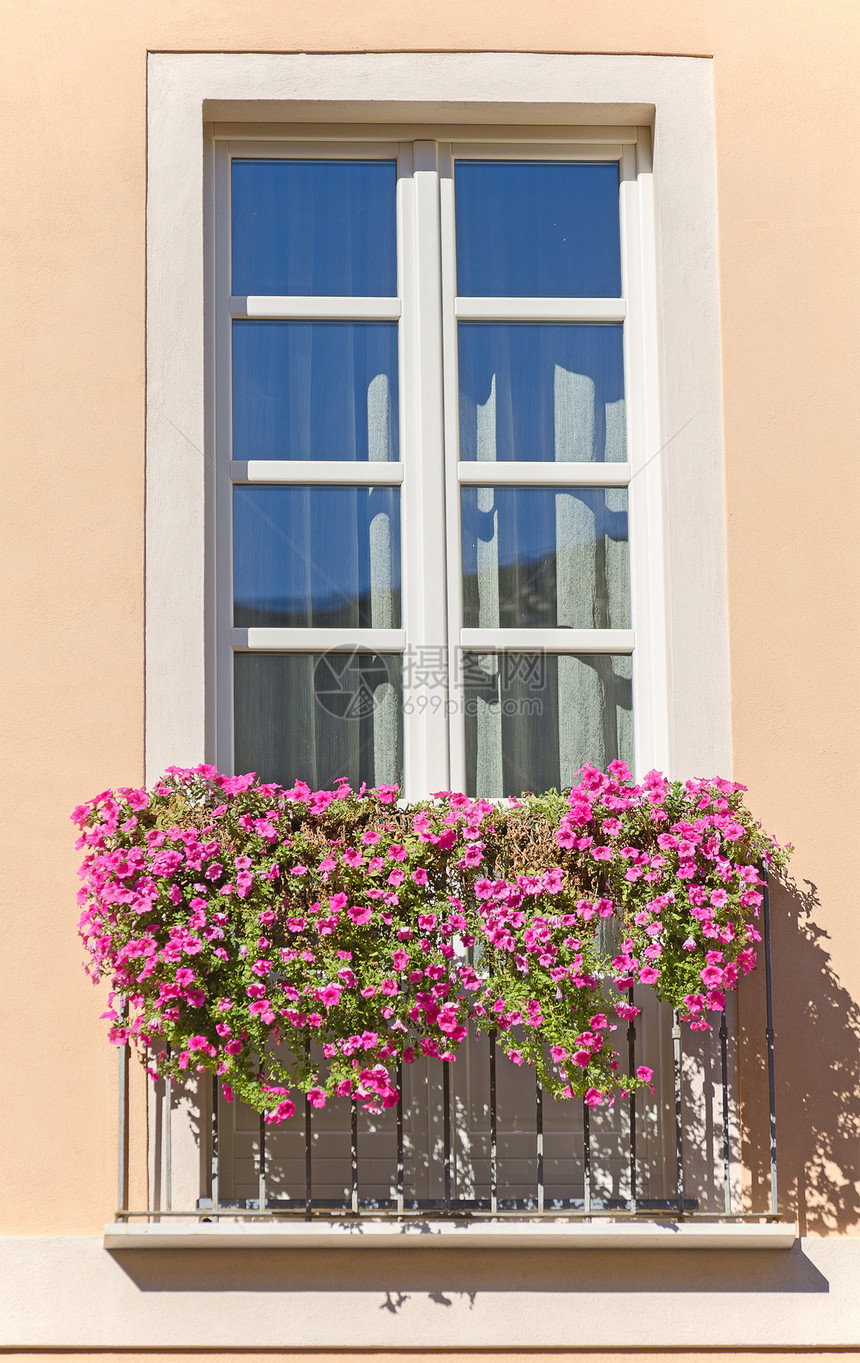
[314, 227]
[316, 557]
[537, 229]
[315, 390]
[533, 719]
[550, 391]
[317, 716]
[545, 558]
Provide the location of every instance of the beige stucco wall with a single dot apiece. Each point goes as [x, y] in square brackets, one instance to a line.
[72, 391]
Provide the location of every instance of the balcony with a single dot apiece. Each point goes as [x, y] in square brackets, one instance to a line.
[468, 1145]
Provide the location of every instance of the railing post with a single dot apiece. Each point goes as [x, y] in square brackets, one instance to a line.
[353, 1156]
[122, 1117]
[308, 1161]
[771, 1075]
[539, 1142]
[446, 1131]
[216, 1168]
[724, 1071]
[679, 1114]
[586, 1159]
[261, 1184]
[399, 1191]
[631, 1064]
[494, 1141]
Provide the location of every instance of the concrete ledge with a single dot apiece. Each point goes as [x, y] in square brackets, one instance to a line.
[450, 1235]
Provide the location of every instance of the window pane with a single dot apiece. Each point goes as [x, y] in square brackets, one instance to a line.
[314, 227]
[550, 391]
[533, 719]
[317, 716]
[316, 557]
[315, 390]
[537, 230]
[545, 558]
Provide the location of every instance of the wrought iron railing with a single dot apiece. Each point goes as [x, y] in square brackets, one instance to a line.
[690, 1170]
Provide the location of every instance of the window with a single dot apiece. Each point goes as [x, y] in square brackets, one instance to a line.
[437, 534]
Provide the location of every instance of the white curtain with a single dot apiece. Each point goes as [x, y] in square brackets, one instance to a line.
[321, 557]
[584, 701]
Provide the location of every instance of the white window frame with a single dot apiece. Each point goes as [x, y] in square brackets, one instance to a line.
[190, 97]
[427, 311]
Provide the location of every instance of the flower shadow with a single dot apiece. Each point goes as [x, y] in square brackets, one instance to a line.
[817, 1066]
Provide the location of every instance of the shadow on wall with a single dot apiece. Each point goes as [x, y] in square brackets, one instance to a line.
[817, 1050]
[456, 1277]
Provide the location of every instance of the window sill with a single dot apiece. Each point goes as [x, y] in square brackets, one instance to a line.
[451, 1235]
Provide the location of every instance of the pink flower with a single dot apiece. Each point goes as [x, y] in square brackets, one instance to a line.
[711, 975]
[400, 959]
[594, 1098]
[360, 914]
[643, 1072]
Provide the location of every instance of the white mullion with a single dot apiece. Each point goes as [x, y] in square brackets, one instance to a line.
[425, 727]
[453, 546]
[542, 473]
[223, 441]
[540, 309]
[317, 472]
[645, 504]
[314, 307]
[548, 640]
[274, 640]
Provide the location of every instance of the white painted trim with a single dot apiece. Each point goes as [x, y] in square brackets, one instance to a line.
[647, 511]
[316, 308]
[341, 472]
[319, 640]
[550, 640]
[541, 473]
[538, 150]
[540, 309]
[607, 142]
[300, 144]
[446, 1235]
